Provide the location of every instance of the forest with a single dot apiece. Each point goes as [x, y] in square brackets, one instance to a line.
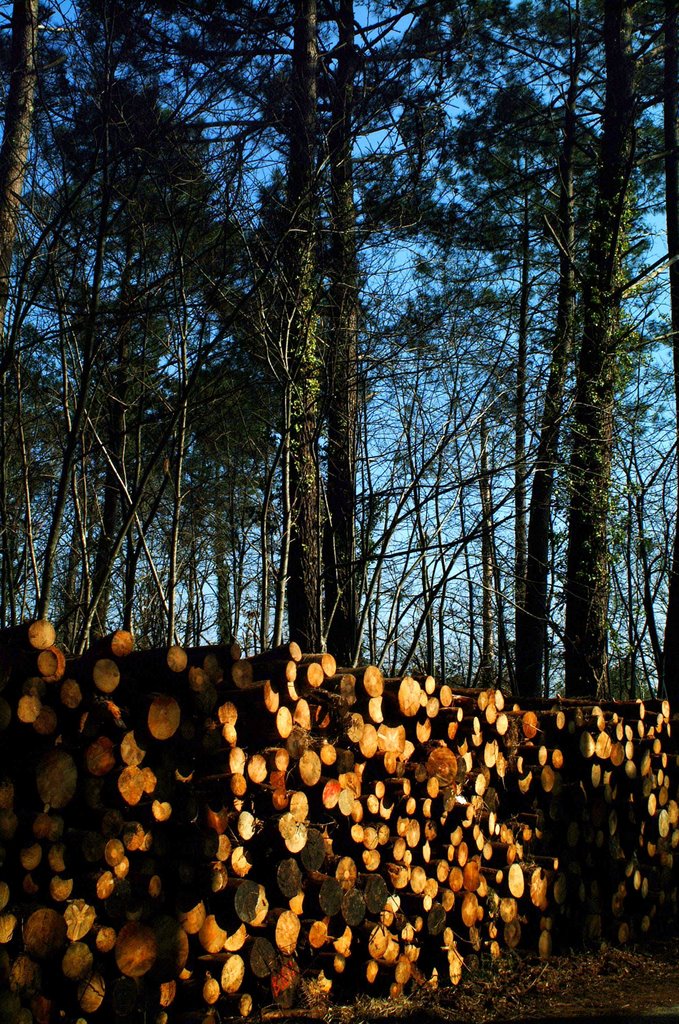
[355, 325]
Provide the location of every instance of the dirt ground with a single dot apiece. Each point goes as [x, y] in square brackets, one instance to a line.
[619, 984]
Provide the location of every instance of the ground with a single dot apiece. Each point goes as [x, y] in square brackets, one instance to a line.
[630, 984]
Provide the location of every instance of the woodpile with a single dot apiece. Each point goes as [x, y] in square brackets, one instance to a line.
[191, 832]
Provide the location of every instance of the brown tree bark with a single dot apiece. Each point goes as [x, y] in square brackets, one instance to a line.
[18, 122]
[670, 681]
[340, 542]
[487, 663]
[16, 138]
[520, 537]
[531, 616]
[587, 585]
[303, 344]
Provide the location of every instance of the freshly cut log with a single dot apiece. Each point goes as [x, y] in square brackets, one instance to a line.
[233, 974]
[29, 708]
[117, 644]
[56, 776]
[38, 634]
[310, 674]
[100, 757]
[236, 940]
[211, 990]
[192, 916]
[263, 957]
[290, 651]
[289, 877]
[287, 932]
[376, 894]
[164, 716]
[106, 675]
[353, 907]
[442, 764]
[368, 679]
[325, 660]
[147, 670]
[46, 665]
[91, 992]
[211, 936]
[105, 938]
[407, 692]
[79, 918]
[279, 664]
[70, 694]
[136, 949]
[44, 933]
[310, 768]
[51, 664]
[25, 976]
[314, 851]
[251, 903]
[132, 784]
[131, 752]
[47, 721]
[215, 660]
[176, 658]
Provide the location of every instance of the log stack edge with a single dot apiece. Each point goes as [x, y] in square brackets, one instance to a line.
[189, 834]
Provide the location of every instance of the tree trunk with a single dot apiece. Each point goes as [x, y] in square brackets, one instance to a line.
[587, 585]
[340, 542]
[486, 668]
[15, 142]
[520, 554]
[303, 587]
[531, 620]
[13, 159]
[670, 680]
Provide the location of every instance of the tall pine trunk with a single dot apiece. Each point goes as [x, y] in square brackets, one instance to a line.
[340, 537]
[670, 679]
[303, 343]
[18, 122]
[487, 664]
[520, 552]
[587, 576]
[531, 619]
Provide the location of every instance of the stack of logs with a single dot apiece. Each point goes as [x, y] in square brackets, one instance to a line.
[189, 832]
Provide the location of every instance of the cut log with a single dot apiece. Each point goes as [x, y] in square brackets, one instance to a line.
[164, 716]
[56, 778]
[44, 933]
[251, 903]
[38, 634]
[136, 949]
[233, 974]
[77, 961]
[106, 675]
[91, 992]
